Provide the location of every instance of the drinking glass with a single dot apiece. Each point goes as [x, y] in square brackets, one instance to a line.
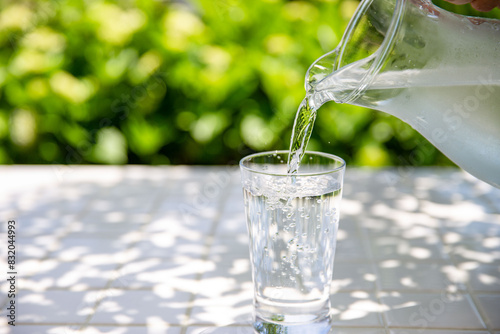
[292, 224]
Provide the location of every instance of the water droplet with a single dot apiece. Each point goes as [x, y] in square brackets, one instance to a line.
[304, 235]
[292, 225]
[292, 278]
[327, 230]
[318, 227]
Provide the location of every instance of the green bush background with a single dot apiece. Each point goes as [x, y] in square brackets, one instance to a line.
[195, 82]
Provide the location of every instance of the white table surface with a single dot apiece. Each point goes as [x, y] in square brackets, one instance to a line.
[141, 249]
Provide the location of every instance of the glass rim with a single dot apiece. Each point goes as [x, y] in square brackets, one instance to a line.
[326, 155]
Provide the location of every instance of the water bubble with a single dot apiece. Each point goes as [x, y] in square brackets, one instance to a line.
[292, 225]
[319, 201]
[318, 227]
[283, 274]
[304, 235]
[327, 230]
[292, 278]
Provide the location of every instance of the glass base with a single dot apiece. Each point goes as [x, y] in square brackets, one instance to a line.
[320, 326]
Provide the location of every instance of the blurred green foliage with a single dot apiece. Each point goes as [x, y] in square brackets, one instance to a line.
[191, 82]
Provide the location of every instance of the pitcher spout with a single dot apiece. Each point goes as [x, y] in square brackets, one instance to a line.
[320, 69]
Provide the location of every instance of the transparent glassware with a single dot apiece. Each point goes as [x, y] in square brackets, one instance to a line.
[292, 224]
[435, 70]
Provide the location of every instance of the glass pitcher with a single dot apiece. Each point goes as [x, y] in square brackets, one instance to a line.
[435, 70]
